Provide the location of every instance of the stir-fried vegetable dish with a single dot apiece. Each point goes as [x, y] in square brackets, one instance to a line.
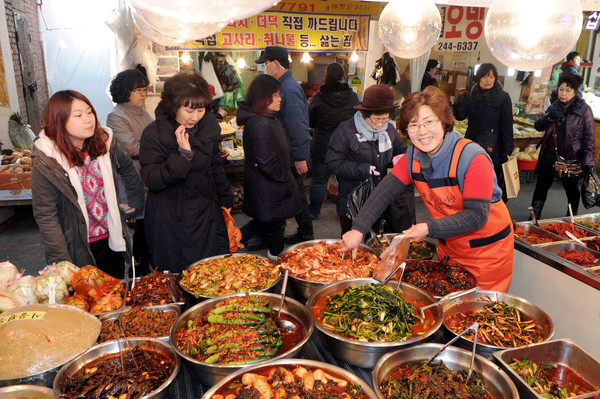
[128, 374]
[370, 313]
[589, 225]
[325, 263]
[581, 258]
[500, 324]
[138, 322]
[531, 237]
[290, 382]
[439, 278]
[239, 330]
[561, 228]
[149, 290]
[543, 378]
[434, 381]
[229, 274]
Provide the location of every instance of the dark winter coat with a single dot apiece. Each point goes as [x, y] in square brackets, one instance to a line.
[490, 115]
[183, 219]
[330, 106]
[350, 160]
[293, 117]
[428, 80]
[574, 132]
[62, 224]
[270, 191]
[389, 74]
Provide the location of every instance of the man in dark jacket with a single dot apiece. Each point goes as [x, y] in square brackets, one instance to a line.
[293, 117]
[331, 105]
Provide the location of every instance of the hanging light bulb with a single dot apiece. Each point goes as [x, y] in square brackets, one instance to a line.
[354, 57]
[306, 58]
[409, 28]
[185, 57]
[533, 34]
[537, 73]
[289, 58]
[241, 63]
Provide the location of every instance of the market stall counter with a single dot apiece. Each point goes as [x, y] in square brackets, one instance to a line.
[569, 292]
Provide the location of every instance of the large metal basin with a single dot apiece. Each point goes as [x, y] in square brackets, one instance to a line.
[111, 347]
[26, 392]
[431, 265]
[366, 354]
[561, 351]
[210, 374]
[588, 232]
[555, 249]
[477, 300]
[498, 383]
[196, 298]
[302, 288]
[531, 228]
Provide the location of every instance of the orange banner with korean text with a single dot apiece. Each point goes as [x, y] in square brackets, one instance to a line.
[310, 25]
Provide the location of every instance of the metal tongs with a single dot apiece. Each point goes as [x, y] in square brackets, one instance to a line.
[445, 299]
[392, 258]
[533, 218]
[475, 329]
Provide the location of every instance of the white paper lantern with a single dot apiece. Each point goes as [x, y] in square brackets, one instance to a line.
[532, 34]
[409, 28]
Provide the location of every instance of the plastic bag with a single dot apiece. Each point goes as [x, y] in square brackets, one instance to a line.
[590, 189]
[50, 287]
[7, 301]
[235, 235]
[21, 290]
[107, 303]
[93, 282]
[67, 270]
[20, 133]
[8, 272]
[358, 197]
[79, 301]
[392, 257]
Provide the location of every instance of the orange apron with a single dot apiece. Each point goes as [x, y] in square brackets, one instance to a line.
[486, 252]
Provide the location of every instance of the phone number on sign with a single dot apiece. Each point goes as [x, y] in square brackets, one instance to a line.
[459, 46]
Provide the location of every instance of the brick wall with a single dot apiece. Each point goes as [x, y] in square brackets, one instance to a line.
[30, 9]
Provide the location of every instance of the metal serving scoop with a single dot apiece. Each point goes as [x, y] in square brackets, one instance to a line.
[448, 298]
[284, 324]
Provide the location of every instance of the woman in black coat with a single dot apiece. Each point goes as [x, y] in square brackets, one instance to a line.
[182, 168]
[270, 192]
[573, 121]
[331, 105]
[489, 110]
[365, 145]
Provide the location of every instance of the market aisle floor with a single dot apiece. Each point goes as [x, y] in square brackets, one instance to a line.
[20, 241]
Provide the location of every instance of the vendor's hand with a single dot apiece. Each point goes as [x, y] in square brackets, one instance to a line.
[126, 208]
[351, 240]
[301, 167]
[183, 138]
[373, 170]
[417, 232]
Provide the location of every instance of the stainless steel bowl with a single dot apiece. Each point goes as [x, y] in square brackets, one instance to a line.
[366, 354]
[529, 227]
[194, 298]
[561, 351]
[114, 347]
[431, 244]
[302, 288]
[476, 301]
[46, 377]
[26, 392]
[589, 233]
[410, 266]
[337, 371]
[210, 374]
[170, 307]
[498, 383]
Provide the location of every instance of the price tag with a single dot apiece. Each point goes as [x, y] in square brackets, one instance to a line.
[22, 316]
[227, 145]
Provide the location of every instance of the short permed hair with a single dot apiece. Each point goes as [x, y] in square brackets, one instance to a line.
[185, 89]
[434, 98]
[570, 79]
[125, 82]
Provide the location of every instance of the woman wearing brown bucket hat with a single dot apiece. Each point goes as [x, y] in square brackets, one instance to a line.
[365, 145]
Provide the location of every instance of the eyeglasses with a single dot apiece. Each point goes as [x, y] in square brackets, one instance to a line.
[378, 121]
[428, 124]
[141, 90]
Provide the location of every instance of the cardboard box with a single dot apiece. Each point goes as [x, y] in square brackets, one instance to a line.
[15, 186]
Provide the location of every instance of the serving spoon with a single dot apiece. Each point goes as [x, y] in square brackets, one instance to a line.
[284, 324]
[572, 237]
[448, 298]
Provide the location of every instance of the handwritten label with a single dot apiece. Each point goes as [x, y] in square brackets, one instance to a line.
[22, 316]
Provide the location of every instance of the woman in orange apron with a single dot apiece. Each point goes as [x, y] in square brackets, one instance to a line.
[455, 178]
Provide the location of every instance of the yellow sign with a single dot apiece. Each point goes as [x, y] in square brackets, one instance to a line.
[356, 85]
[331, 7]
[22, 316]
[294, 31]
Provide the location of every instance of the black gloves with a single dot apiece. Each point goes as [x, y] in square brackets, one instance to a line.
[555, 115]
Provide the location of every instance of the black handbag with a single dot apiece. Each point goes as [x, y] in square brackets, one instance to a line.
[487, 139]
[590, 189]
[358, 197]
[569, 170]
